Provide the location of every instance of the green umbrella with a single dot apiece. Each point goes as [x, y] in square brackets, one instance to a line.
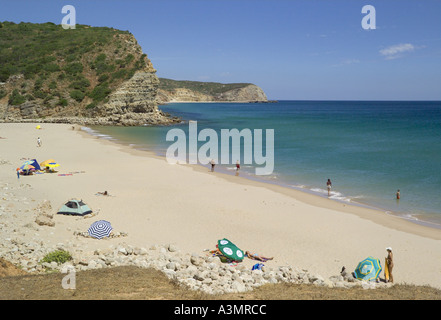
[230, 250]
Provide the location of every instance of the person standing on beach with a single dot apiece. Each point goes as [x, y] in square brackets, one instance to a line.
[38, 142]
[18, 173]
[212, 165]
[237, 165]
[329, 186]
[390, 263]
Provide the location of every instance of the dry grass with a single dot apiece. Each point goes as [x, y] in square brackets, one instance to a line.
[132, 283]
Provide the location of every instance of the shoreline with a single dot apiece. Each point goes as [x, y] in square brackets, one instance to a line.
[363, 210]
[158, 203]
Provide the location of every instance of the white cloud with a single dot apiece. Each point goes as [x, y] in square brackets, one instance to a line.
[396, 51]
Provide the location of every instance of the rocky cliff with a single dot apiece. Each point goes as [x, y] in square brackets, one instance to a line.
[194, 91]
[92, 76]
[87, 76]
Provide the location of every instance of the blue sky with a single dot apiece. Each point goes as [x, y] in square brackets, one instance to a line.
[292, 49]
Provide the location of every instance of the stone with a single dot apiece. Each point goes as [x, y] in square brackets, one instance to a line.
[171, 266]
[238, 287]
[43, 220]
[196, 260]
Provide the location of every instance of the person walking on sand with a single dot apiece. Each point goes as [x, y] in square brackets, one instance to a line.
[212, 165]
[38, 142]
[390, 263]
[329, 186]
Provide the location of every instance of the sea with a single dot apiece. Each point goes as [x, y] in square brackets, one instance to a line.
[368, 149]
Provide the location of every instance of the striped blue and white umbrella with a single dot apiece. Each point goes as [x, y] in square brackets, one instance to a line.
[100, 229]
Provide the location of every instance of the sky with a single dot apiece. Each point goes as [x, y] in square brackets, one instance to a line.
[292, 49]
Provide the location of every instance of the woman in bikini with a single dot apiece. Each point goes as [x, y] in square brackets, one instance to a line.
[255, 256]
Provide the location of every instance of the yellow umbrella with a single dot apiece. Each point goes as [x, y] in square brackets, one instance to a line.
[52, 165]
[45, 163]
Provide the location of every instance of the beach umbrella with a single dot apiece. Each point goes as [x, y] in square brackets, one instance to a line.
[27, 167]
[230, 250]
[368, 269]
[52, 165]
[100, 229]
[45, 163]
[34, 163]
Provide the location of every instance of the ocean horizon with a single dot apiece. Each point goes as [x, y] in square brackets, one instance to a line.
[369, 149]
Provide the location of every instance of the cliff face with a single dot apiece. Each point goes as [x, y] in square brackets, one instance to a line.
[249, 93]
[86, 76]
[245, 93]
[134, 103]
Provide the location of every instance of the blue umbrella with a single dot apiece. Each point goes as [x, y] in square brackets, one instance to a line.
[368, 269]
[100, 229]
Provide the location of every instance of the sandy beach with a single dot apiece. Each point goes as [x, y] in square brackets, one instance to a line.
[191, 207]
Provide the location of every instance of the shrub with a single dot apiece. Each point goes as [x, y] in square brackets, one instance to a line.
[129, 58]
[101, 57]
[74, 68]
[40, 94]
[91, 105]
[38, 84]
[119, 74]
[52, 85]
[51, 67]
[103, 77]
[58, 256]
[102, 67]
[4, 75]
[81, 84]
[100, 92]
[62, 102]
[16, 98]
[77, 95]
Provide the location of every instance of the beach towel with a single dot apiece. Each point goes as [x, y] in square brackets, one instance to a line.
[257, 266]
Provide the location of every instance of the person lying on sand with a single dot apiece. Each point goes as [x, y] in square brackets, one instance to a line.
[256, 256]
[348, 276]
[103, 193]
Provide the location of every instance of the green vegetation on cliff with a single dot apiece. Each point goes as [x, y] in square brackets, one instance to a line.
[54, 67]
[208, 88]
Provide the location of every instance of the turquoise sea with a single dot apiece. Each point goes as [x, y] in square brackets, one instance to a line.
[369, 150]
